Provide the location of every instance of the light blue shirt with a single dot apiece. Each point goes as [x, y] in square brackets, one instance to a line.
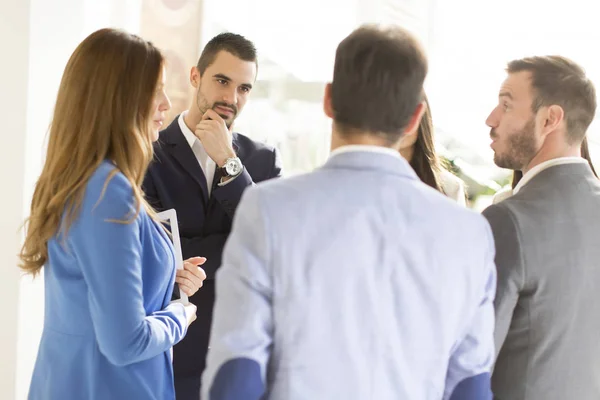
[356, 281]
[108, 326]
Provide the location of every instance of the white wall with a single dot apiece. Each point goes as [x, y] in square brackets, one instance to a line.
[14, 42]
[49, 50]
[36, 37]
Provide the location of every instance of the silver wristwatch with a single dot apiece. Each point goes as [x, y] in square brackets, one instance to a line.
[233, 167]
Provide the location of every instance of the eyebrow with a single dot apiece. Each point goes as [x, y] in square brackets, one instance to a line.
[505, 94]
[228, 79]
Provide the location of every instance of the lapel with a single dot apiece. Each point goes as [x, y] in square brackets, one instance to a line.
[181, 151]
[236, 146]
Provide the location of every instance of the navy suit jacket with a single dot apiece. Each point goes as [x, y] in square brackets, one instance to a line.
[176, 180]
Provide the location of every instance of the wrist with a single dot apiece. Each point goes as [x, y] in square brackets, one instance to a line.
[226, 179]
[232, 168]
[225, 157]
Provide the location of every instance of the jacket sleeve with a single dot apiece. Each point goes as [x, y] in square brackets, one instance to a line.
[242, 330]
[510, 267]
[229, 195]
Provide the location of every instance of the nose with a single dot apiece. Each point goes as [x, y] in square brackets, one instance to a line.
[230, 96]
[165, 105]
[492, 119]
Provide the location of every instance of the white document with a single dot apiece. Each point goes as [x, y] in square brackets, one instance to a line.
[170, 216]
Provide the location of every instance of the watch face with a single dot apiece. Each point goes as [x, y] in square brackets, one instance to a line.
[233, 166]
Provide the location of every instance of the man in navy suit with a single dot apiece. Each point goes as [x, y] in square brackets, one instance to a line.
[201, 169]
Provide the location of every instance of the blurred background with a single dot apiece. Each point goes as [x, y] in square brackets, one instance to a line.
[468, 43]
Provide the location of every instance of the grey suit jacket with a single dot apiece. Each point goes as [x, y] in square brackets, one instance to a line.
[548, 295]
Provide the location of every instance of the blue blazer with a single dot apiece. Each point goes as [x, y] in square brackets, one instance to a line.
[108, 326]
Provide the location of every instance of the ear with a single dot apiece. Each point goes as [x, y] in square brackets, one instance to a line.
[327, 107]
[415, 120]
[195, 77]
[408, 139]
[552, 118]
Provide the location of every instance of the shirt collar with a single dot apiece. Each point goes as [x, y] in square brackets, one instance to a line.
[187, 132]
[367, 148]
[545, 165]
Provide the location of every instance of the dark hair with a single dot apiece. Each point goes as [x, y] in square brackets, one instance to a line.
[585, 153]
[556, 80]
[377, 82]
[424, 159]
[232, 43]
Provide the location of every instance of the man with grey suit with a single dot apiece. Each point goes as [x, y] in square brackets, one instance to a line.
[356, 281]
[547, 242]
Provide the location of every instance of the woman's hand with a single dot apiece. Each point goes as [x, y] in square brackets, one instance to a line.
[190, 313]
[191, 277]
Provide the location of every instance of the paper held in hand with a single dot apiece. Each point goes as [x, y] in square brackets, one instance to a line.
[170, 218]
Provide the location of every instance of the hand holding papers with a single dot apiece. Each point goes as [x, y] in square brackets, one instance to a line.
[170, 217]
[190, 276]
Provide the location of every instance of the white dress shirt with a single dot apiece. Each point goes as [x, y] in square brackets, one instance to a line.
[206, 163]
[364, 147]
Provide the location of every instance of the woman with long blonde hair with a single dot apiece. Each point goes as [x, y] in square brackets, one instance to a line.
[109, 266]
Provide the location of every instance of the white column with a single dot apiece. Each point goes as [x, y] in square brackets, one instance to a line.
[14, 42]
[49, 50]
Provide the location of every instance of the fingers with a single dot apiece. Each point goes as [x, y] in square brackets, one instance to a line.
[191, 308]
[195, 271]
[190, 311]
[204, 127]
[207, 124]
[188, 286]
[187, 290]
[208, 128]
[195, 260]
[212, 114]
[192, 277]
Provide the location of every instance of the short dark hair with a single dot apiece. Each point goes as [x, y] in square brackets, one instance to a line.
[556, 80]
[377, 81]
[232, 43]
